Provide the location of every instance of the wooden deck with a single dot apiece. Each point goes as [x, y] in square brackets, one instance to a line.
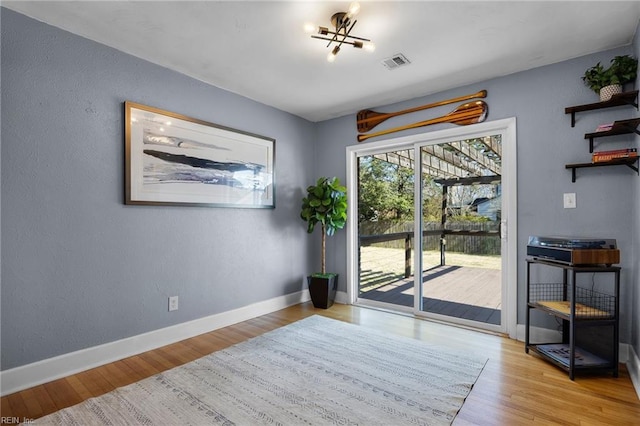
[458, 291]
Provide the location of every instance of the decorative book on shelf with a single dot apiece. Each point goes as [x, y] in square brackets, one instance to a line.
[621, 127]
[601, 156]
[628, 161]
[604, 127]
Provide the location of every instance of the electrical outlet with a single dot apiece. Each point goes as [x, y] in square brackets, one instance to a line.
[570, 200]
[173, 303]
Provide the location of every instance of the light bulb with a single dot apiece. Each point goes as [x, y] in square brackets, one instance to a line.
[332, 56]
[309, 28]
[354, 8]
[369, 47]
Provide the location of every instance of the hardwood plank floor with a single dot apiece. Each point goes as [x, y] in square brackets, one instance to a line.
[513, 389]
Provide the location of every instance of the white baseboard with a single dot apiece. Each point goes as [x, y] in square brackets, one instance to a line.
[633, 366]
[44, 371]
[341, 297]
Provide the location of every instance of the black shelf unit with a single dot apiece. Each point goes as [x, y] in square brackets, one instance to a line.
[629, 162]
[620, 99]
[621, 127]
[578, 309]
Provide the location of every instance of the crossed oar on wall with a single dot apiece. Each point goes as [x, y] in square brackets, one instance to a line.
[469, 113]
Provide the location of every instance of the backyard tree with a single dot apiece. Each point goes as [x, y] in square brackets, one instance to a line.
[385, 191]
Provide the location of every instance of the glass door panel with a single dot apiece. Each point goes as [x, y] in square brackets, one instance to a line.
[461, 203]
[385, 228]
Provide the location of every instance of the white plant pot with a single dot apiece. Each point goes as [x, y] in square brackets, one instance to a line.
[608, 91]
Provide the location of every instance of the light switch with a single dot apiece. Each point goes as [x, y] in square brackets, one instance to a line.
[570, 200]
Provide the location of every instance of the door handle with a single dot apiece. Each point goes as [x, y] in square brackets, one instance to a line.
[503, 229]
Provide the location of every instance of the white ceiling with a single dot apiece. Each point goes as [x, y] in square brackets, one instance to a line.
[259, 49]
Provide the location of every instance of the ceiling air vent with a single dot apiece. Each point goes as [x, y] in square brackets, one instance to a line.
[396, 61]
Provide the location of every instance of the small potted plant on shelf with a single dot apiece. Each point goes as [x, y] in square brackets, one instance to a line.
[608, 81]
[325, 204]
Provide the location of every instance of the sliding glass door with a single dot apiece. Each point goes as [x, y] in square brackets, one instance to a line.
[428, 225]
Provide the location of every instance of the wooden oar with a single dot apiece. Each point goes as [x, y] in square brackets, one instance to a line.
[367, 119]
[469, 113]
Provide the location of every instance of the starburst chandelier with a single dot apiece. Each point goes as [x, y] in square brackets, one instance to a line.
[340, 35]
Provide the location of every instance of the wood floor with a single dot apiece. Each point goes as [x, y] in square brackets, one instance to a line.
[513, 389]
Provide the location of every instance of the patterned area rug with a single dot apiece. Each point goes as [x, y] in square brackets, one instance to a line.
[313, 372]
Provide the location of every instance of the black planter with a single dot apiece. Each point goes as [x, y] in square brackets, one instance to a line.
[323, 290]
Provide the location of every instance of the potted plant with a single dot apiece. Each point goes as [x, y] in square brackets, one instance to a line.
[609, 81]
[325, 204]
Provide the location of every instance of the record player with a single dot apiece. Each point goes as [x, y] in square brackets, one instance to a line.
[574, 251]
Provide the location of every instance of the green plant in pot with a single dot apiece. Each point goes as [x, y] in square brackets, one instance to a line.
[326, 205]
[609, 81]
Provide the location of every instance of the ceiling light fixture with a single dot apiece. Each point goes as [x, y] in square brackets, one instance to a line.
[343, 24]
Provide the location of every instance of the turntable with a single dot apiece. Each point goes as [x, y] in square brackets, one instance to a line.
[574, 251]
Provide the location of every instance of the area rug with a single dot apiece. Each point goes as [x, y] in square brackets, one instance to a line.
[315, 371]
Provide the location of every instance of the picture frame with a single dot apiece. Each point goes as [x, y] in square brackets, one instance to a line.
[172, 159]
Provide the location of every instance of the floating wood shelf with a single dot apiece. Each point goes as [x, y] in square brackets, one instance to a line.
[629, 162]
[620, 99]
[621, 127]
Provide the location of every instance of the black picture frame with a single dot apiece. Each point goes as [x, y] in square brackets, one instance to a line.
[172, 159]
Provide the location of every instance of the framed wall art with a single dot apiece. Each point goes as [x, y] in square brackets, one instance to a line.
[172, 159]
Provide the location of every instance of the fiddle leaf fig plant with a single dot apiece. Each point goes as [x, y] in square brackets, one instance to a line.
[325, 204]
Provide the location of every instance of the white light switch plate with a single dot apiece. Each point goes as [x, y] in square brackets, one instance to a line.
[570, 200]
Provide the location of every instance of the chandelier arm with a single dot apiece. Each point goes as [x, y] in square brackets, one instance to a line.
[321, 38]
[332, 39]
[359, 38]
[327, 38]
[355, 21]
[346, 32]
[331, 32]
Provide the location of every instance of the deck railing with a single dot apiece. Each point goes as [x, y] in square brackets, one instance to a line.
[442, 236]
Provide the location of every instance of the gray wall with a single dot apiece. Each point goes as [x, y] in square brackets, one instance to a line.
[545, 143]
[79, 268]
